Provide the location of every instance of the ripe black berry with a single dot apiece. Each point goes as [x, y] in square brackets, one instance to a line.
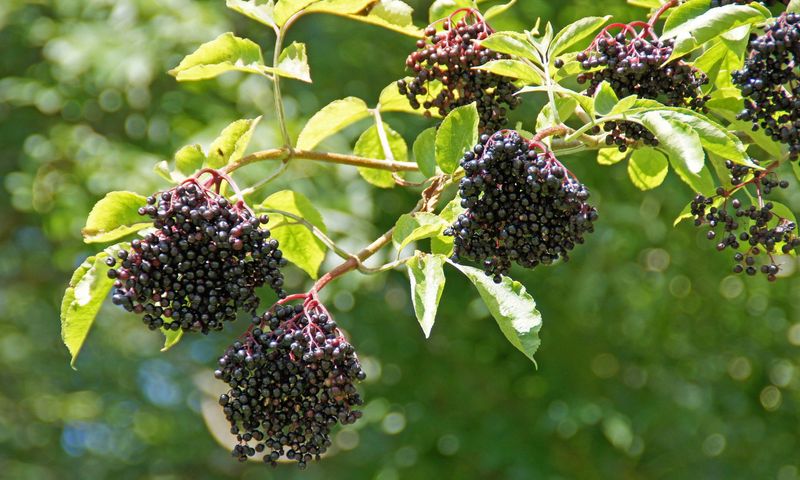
[755, 231]
[521, 205]
[291, 380]
[722, 3]
[200, 265]
[769, 82]
[633, 63]
[449, 58]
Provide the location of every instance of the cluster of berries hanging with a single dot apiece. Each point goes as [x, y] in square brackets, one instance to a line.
[633, 63]
[769, 82]
[769, 3]
[202, 263]
[521, 205]
[291, 379]
[449, 57]
[757, 233]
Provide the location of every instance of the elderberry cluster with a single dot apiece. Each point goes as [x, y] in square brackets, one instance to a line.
[291, 380]
[722, 3]
[636, 66]
[449, 57]
[769, 82]
[521, 205]
[200, 266]
[755, 232]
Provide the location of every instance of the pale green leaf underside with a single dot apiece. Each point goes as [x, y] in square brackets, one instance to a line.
[426, 274]
[412, 227]
[647, 168]
[225, 53]
[331, 119]
[115, 216]
[369, 145]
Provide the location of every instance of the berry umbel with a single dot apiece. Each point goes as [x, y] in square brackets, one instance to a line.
[292, 378]
[521, 205]
[445, 75]
[202, 263]
[637, 62]
[756, 232]
[722, 3]
[769, 83]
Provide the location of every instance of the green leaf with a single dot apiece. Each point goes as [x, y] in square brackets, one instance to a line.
[298, 244]
[645, 3]
[693, 23]
[171, 338]
[332, 118]
[794, 6]
[513, 69]
[610, 156]
[451, 211]
[496, 10]
[723, 56]
[189, 159]
[443, 244]
[425, 151]
[457, 134]
[701, 182]
[647, 168]
[231, 143]
[566, 108]
[162, 170]
[369, 145]
[511, 306]
[115, 216]
[258, 10]
[426, 274]
[586, 103]
[391, 100]
[605, 99]
[624, 105]
[293, 63]
[340, 7]
[575, 34]
[391, 14]
[412, 227]
[285, 9]
[512, 43]
[225, 53]
[443, 8]
[83, 298]
[677, 139]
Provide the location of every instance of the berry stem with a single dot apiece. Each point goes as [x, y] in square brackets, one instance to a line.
[549, 132]
[657, 15]
[286, 154]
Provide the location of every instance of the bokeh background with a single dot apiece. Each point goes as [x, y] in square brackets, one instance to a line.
[655, 361]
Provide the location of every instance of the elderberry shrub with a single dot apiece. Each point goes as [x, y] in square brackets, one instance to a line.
[200, 266]
[769, 82]
[755, 232]
[636, 66]
[449, 57]
[521, 205]
[291, 380]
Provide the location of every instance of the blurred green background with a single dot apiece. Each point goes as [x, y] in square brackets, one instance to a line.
[655, 362]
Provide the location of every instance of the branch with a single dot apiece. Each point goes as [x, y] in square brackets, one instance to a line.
[285, 154]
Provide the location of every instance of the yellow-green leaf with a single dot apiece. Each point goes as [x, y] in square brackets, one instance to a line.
[647, 168]
[369, 145]
[231, 143]
[225, 53]
[115, 216]
[332, 118]
[426, 274]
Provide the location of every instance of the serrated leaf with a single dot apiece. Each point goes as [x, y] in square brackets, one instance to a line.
[225, 53]
[285, 9]
[443, 8]
[417, 226]
[575, 34]
[677, 139]
[189, 159]
[425, 151]
[496, 10]
[83, 298]
[331, 119]
[293, 63]
[610, 156]
[512, 307]
[231, 143]
[605, 99]
[369, 145]
[647, 168]
[115, 216]
[258, 10]
[391, 14]
[340, 7]
[512, 43]
[457, 134]
[624, 105]
[426, 274]
[693, 23]
[162, 170]
[391, 100]
[513, 69]
[298, 244]
[171, 338]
